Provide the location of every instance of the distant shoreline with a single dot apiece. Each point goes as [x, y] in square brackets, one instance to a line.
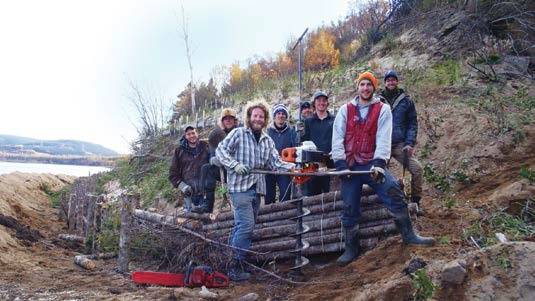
[81, 161]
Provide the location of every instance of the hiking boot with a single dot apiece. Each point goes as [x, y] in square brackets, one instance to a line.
[404, 225]
[351, 250]
[237, 272]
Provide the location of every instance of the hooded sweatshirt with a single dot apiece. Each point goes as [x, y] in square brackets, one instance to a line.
[384, 130]
[186, 164]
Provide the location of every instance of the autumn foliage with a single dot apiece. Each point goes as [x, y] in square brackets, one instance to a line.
[320, 52]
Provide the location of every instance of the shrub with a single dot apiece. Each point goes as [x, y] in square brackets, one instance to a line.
[423, 285]
[447, 72]
[108, 238]
[483, 231]
[528, 173]
[55, 197]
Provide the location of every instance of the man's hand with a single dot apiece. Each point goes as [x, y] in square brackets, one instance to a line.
[378, 174]
[341, 165]
[185, 188]
[409, 149]
[378, 170]
[291, 166]
[242, 169]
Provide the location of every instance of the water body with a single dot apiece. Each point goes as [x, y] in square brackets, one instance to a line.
[73, 170]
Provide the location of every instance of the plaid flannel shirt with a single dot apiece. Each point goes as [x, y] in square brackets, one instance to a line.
[240, 146]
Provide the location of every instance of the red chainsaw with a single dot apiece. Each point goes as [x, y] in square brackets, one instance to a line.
[195, 276]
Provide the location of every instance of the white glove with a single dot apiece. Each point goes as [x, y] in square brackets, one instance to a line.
[185, 188]
[378, 174]
[242, 169]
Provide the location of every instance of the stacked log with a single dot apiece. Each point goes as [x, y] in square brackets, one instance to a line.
[273, 227]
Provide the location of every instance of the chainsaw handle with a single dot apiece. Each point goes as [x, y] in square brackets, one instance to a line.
[217, 279]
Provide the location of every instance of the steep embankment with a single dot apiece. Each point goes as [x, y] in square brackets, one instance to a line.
[26, 215]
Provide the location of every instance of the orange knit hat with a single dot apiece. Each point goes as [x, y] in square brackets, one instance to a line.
[369, 76]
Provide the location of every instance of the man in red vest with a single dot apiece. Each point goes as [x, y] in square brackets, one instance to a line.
[362, 140]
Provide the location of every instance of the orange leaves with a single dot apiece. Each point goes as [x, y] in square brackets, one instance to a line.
[321, 52]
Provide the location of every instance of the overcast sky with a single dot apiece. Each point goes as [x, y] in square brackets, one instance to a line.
[65, 65]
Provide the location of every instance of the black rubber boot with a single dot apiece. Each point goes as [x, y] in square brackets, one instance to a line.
[416, 199]
[209, 201]
[352, 246]
[237, 272]
[207, 204]
[404, 225]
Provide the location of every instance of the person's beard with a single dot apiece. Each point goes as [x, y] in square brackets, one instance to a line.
[194, 143]
[366, 99]
[252, 125]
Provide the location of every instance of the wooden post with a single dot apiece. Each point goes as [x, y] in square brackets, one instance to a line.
[90, 220]
[70, 211]
[124, 236]
[97, 212]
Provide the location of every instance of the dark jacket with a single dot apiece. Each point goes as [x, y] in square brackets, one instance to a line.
[216, 135]
[283, 138]
[319, 131]
[404, 120]
[186, 164]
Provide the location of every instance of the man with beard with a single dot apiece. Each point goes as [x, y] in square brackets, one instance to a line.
[319, 129]
[210, 172]
[306, 110]
[185, 169]
[243, 149]
[283, 136]
[404, 131]
[361, 141]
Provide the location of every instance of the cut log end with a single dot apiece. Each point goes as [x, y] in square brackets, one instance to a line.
[84, 262]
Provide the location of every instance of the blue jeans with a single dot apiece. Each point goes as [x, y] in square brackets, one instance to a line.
[317, 185]
[389, 192]
[283, 182]
[245, 206]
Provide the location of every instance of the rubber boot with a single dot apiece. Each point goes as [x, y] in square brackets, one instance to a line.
[416, 199]
[352, 246]
[207, 204]
[187, 204]
[209, 201]
[237, 272]
[404, 225]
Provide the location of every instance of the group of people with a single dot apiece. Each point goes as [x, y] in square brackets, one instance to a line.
[365, 133]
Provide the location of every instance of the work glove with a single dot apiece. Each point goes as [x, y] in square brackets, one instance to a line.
[185, 188]
[215, 161]
[300, 126]
[341, 165]
[378, 170]
[409, 150]
[291, 166]
[242, 169]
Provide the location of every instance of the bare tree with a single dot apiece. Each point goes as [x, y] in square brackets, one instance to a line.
[185, 36]
[152, 112]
